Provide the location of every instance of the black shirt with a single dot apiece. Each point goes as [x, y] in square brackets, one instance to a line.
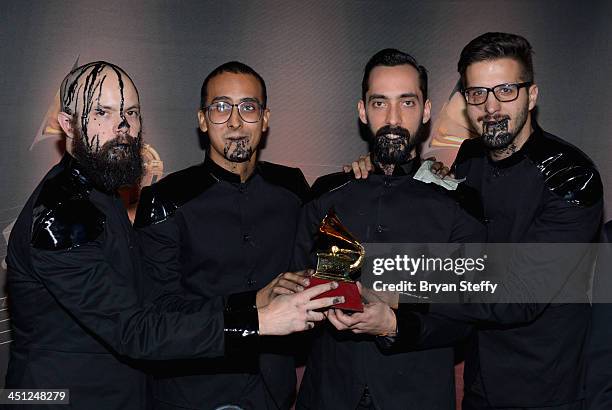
[380, 209]
[206, 234]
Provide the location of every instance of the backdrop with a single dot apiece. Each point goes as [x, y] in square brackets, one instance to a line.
[311, 54]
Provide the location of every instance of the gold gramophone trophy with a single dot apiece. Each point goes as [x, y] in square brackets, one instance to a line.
[339, 255]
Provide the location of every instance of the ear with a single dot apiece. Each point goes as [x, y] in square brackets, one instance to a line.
[65, 122]
[426, 111]
[264, 120]
[202, 121]
[533, 96]
[362, 112]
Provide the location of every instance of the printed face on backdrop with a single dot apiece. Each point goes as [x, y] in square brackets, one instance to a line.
[395, 112]
[235, 140]
[500, 123]
[101, 114]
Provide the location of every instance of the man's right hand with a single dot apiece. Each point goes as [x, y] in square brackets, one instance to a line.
[287, 314]
[361, 167]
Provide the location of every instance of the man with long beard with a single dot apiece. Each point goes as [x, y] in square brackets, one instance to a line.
[74, 280]
[223, 226]
[346, 369]
[535, 188]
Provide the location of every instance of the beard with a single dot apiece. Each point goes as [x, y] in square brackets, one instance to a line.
[394, 145]
[238, 150]
[115, 164]
[495, 132]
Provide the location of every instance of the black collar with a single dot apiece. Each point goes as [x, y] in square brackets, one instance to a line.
[524, 152]
[222, 174]
[406, 169]
[77, 179]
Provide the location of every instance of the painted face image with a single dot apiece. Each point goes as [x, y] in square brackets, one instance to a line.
[499, 123]
[239, 97]
[395, 112]
[106, 124]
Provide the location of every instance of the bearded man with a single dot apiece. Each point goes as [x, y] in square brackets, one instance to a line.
[74, 280]
[346, 369]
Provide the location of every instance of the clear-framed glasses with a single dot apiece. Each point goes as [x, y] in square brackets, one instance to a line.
[220, 112]
[503, 93]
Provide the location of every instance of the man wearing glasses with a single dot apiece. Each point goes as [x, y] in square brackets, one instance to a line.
[535, 188]
[222, 227]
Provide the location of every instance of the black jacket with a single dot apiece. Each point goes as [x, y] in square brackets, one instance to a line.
[380, 209]
[528, 354]
[75, 293]
[206, 234]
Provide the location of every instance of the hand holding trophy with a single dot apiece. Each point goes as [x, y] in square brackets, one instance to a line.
[339, 257]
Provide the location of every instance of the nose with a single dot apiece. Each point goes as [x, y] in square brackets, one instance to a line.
[234, 120]
[491, 105]
[123, 127]
[394, 116]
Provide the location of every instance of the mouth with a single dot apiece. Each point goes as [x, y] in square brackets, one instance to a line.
[237, 138]
[392, 136]
[495, 126]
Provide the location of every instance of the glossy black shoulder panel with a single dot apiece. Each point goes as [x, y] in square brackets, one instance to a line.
[161, 200]
[330, 182]
[67, 224]
[289, 178]
[566, 170]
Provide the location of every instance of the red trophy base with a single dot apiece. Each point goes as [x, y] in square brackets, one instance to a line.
[352, 298]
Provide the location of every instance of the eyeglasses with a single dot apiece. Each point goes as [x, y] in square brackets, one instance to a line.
[221, 111]
[503, 93]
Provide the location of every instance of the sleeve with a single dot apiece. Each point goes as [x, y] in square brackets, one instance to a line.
[88, 288]
[553, 268]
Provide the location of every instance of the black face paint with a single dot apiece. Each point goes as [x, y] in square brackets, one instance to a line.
[116, 164]
[392, 145]
[238, 150]
[90, 88]
[495, 133]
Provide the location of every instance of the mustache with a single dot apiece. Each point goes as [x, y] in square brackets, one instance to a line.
[401, 132]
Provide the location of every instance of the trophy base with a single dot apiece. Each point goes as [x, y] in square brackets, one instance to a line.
[352, 298]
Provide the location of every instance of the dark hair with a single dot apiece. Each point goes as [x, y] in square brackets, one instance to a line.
[491, 46]
[235, 67]
[390, 57]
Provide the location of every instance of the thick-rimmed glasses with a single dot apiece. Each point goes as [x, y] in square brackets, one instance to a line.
[503, 93]
[220, 112]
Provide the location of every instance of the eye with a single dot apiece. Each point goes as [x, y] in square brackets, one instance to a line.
[100, 112]
[379, 104]
[133, 113]
[408, 103]
[505, 90]
[221, 107]
[249, 106]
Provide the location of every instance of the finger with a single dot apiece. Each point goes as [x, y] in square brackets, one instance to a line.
[324, 302]
[282, 291]
[368, 162]
[430, 159]
[347, 320]
[299, 277]
[317, 290]
[363, 167]
[313, 316]
[435, 167]
[284, 283]
[331, 316]
[309, 325]
[356, 170]
[346, 168]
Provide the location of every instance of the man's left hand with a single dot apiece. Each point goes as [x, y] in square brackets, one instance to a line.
[284, 284]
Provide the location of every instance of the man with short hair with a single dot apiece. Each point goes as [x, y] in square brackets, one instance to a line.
[224, 226]
[535, 188]
[346, 369]
[74, 277]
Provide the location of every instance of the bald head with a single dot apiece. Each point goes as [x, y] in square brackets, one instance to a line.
[100, 112]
